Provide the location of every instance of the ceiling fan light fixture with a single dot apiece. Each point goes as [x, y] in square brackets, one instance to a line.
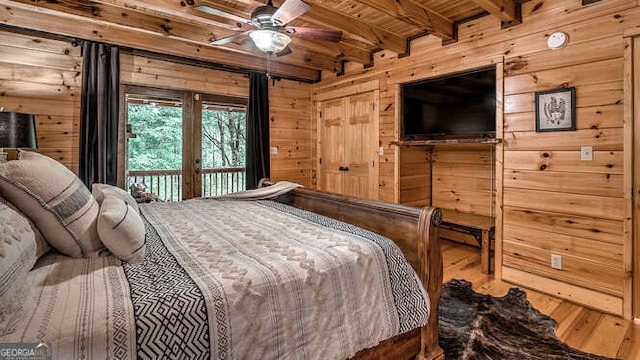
[270, 41]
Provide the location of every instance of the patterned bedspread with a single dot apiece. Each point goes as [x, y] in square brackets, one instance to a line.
[228, 280]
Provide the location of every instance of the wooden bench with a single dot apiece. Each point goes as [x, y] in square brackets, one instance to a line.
[480, 227]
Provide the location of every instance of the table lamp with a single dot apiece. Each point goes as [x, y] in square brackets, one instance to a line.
[17, 131]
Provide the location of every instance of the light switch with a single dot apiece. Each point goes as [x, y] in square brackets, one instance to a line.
[381, 151]
[273, 150]
[586, 153]
[556, 261]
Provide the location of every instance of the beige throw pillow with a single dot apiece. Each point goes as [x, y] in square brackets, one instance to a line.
[121, 229]
[57, 202]
[99, 191]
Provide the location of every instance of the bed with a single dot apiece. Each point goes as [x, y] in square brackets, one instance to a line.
[204, 282]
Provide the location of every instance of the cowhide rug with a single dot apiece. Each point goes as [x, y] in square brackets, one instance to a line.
[478, 326]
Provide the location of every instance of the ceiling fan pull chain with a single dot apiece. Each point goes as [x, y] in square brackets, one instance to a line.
[268, 65]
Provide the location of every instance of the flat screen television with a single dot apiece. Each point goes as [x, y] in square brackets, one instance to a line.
[460, 104]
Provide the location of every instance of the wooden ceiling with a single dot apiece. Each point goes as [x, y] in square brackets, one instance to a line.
[176, 27]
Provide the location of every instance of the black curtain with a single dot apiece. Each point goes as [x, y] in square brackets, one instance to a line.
[257, 130]
[99, 114]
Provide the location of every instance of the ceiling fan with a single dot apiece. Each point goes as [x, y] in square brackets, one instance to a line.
[272, 33]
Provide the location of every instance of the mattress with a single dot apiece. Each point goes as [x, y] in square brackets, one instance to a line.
[227, 280]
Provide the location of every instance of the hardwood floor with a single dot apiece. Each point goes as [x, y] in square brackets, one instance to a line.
[580, 327]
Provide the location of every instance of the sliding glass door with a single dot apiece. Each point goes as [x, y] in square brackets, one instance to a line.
[182, 144]
[154, 146]
[224, 129]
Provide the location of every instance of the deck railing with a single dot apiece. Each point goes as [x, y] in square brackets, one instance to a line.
[167, 184]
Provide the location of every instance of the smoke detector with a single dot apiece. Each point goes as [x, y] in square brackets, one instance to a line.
[557, 40]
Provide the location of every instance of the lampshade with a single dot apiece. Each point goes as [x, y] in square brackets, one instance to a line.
[17, 130]
[270, 41]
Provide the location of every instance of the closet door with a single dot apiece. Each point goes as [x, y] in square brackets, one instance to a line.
[360, 164]
[331, 122]
[348, 145]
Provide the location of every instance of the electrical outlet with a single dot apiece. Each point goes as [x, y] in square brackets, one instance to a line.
[273, 150]
[586, 153]
[381, 151]
[556, 261]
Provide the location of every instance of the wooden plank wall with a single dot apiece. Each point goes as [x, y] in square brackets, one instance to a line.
[289, 104]
[144, 71]
[291, 126]
[462, 178]
[415, 176]
[552, 201]
[44, 77]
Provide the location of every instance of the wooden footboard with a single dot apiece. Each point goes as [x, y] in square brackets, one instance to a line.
[415, 232]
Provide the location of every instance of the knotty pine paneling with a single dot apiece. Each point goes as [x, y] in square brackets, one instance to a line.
[599, 120]
[592, 117]
[290, 131]
[415, 175]
[144, 71]
[579, 271]
[548, 193]
[578, 226]
[290, 119]
[43, 77]
[463, 179]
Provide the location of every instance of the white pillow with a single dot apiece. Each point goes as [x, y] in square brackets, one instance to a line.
[121, 229]
[57, 202]
[99, 191]
[17, 257]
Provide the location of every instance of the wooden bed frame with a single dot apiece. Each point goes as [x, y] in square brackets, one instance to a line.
[416, 233]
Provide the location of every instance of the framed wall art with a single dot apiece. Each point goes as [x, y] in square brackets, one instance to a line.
[556, 110]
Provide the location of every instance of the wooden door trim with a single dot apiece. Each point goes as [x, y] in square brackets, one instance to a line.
[152, 91]
[498, 164]
[631, 241]
[139, 90]
[344, 91]
[319, 106]
[376, 131]
[191, 145]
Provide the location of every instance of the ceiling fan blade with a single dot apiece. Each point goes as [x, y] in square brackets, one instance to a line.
[216, 12]
[232, 38]
[284, 52]
[290, 10]
[314, 34]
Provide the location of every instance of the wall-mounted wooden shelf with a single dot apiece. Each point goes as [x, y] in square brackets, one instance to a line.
[486, 141]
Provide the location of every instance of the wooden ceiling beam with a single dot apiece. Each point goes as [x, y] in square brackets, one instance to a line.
[354, 28]
[505, 10]
[242, 10]
[339, 50]
[38, 18]
[173, 10]
[132, 18]
[203, 34]
[415, 14]
[316, 59]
